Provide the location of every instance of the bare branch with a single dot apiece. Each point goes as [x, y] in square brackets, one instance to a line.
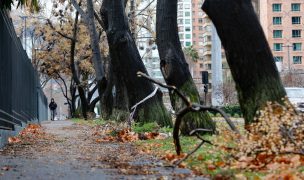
[190, 107]
[78, 8]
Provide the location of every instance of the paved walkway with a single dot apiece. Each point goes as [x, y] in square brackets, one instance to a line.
[70, 153]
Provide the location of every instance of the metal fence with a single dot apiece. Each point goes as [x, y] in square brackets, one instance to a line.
[21, 98]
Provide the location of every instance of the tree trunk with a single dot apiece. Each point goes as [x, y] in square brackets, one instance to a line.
[125, 56]
[174, 66]
[73, 97]
[82, 96]
[248, 54]
[107, 98]
[97, 58]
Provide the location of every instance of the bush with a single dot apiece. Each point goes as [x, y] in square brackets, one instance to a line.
[233, 110]
[147, 127]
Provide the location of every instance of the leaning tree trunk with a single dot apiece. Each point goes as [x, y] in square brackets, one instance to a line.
[88, 18]
[248, 54]
[81, 91]
[126, 57]
[174, 66]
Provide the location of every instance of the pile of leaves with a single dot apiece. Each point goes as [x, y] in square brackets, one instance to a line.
[28, 134]
[274, 143]
[124, 135]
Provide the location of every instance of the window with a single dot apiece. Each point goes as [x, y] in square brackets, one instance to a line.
[188, 44]
[200, 20]
[187, 13]
[180, 21]
[188, 36]
[187, 21]
[296, 20]
[295, 7]
[187, 6]
[277, 46]
[200, 28]
[180, 13]
[277, 20]
[296, 33]
[278, 59]
[297, 46]
[277, 33]
[297, 59]
[187, 29]
[276, 7]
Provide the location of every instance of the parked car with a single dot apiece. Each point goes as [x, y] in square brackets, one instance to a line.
[296, 97]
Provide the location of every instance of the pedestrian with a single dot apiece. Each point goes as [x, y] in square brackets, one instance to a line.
[53, 107]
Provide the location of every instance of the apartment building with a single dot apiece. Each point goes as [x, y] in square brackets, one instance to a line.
[282, 21]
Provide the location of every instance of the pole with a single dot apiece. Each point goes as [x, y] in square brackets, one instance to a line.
[288, 54]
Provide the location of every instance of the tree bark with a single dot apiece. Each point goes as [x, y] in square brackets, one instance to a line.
[82, 96]
[174, 66]
[248, 54]
[125, 56]
[94, 41]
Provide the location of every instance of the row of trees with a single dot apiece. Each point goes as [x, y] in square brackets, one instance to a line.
[97, 48]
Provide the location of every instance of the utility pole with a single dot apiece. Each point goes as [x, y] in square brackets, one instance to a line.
[288, 54]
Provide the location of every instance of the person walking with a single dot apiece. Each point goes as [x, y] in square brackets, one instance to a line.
[53, 107]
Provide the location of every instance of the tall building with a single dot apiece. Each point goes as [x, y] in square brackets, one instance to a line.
[184, 21]
[282, 22]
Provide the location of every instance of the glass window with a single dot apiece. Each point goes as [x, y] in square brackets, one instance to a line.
[277, 46]
[188, 44]
[187, 13]
[277, 33]
[188, 36]
[297, 46]
[276, 7]
[295, 7]
[297, 59]
[200, 20]
[187, 29]
[296, 20]
[187, 21]
[296, 33]
[278, 59]
[277, 20]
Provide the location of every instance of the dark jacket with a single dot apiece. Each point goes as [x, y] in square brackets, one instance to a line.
[52, 105]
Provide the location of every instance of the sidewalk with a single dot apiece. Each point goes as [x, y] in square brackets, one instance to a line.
[68, 152]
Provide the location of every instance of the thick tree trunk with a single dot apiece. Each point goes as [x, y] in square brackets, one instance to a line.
[174, 66]
[125, 56]
[248, 54]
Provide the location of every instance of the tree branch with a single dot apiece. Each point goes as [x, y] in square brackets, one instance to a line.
[190, 107]
[61, 34]
[78, 8]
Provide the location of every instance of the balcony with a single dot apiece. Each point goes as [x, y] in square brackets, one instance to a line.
[207, 43]
[207, 52]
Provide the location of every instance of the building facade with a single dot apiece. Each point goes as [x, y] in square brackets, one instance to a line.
[282, 22]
